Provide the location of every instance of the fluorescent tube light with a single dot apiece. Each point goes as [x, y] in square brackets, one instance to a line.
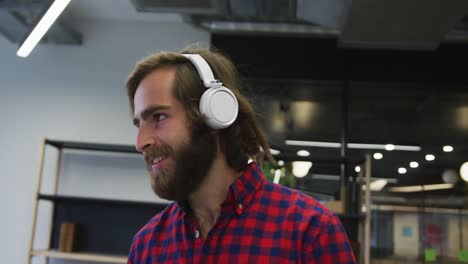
[350, 145]
[389, 147]
[313, 144]
[407, 148]
[376, 185]
[274, 151]
[440, 186]
[330, 177]
[420, 188]
[415, 188]
[42, 27]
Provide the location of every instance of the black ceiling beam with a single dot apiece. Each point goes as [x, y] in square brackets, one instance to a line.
[310, 58]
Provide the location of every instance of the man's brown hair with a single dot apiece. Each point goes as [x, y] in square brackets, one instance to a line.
[242, 140]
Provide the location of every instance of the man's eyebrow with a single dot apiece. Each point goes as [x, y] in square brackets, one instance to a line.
[149, 111]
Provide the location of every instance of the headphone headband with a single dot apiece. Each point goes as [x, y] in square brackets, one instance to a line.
[204, 70]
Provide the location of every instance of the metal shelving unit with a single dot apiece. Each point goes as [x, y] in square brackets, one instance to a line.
[55, 199]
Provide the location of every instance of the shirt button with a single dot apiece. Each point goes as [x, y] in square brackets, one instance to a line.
[239, 206]
[197, 233]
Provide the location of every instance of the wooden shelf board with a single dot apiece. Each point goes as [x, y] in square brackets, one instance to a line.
[80, 256]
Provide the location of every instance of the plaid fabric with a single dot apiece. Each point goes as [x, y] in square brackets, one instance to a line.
[260, 222]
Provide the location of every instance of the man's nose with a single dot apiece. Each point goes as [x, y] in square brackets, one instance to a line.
[144, 138]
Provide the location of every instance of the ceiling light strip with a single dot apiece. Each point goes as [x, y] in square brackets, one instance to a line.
[313, 144]
[401, 208]
[42, 27]
[420, 188]
[376, 185]
[350, 145]
[332, 177]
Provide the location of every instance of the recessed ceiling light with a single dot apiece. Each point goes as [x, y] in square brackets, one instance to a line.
[301, 168]
[414, 164]
[280, 163]
[430, 157]
[402, 170]
[357, 169]
[303, 153]
[447, 148]
[390, 147]
[464, 171]
[378, 156]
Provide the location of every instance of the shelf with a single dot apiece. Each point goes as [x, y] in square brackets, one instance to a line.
[96, 218]
[92, 146]
[85, 200]
[351, 216]
[318, 159]
[80, 256]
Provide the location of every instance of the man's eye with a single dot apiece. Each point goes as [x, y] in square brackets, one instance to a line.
[159, 117]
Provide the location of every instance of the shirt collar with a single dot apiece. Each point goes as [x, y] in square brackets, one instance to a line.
[244, 188]
[241, 191]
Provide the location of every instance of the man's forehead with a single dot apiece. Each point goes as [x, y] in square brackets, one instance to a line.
[154, 89]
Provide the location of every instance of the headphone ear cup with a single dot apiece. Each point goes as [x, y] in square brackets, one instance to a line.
[219, 106]
[203, 103]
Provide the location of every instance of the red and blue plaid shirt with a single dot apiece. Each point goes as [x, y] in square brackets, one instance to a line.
[260, 222]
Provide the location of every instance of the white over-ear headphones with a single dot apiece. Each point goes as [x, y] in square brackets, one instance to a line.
[218, 104]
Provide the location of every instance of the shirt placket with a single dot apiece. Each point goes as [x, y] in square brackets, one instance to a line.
[195, 236]
[197, 244]
[233, 206]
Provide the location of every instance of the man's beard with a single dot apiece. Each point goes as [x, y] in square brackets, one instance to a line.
[188, 165]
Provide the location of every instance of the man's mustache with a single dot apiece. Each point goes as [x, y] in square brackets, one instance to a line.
[153, 152]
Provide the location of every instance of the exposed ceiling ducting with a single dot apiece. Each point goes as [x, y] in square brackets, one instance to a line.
[18, 17]
[399, 24]
[204, 7]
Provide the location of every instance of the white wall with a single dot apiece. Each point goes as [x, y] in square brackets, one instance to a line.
[69, 93]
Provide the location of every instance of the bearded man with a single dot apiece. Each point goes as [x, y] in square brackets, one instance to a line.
[197, 132]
